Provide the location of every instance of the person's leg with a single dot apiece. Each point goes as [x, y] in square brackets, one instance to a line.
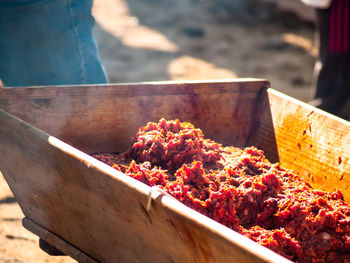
[48, 42]
[332, 72]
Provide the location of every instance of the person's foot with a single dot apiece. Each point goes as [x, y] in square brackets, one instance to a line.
[316, 102]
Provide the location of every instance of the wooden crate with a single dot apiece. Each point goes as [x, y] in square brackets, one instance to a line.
[93, 213]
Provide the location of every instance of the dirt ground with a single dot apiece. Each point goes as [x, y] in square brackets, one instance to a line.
[183, 39]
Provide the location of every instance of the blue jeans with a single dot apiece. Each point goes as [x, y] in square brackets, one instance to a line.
[48, 42]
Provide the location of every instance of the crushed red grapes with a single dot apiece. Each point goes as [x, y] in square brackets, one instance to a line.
[241, 189]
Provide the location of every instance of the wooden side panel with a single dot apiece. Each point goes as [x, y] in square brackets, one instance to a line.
[103, 212]
[61, 247]
[309, 141]
[103, 118]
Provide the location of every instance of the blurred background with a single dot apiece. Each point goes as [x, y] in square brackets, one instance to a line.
[150, 40]
[200, 39]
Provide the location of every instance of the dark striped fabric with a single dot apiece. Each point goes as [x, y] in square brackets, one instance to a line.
[339, 26]
[332, 70]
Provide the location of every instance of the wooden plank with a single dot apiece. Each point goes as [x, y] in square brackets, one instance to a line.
[50, 249]
[57, 242]
[88, 203]
[309, 141]
[102, 211]
[103, 118]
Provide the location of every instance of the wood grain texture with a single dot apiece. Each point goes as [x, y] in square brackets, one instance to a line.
[103, 118]
[311, 142]
[102, 211]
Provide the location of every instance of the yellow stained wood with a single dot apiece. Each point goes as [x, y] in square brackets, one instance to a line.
[314, 144]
